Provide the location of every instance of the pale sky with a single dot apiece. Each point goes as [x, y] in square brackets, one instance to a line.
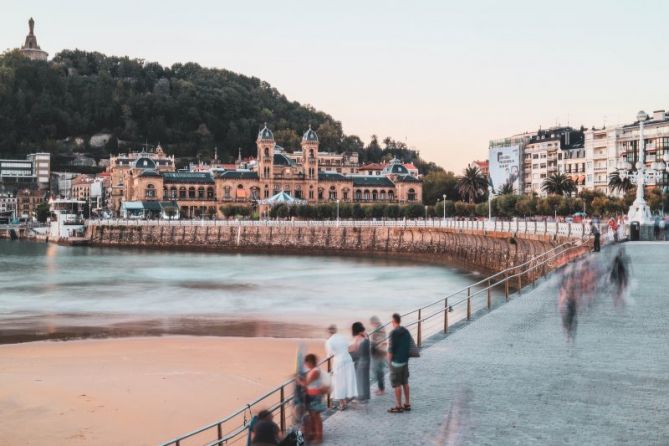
[446, 76]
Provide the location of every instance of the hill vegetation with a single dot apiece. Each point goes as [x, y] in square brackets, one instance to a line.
[57, 106]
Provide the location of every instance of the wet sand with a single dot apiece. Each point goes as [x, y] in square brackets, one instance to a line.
[138, 391]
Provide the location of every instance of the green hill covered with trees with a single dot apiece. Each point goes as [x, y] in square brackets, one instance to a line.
[54, 106]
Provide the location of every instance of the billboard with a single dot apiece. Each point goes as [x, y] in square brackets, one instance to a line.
[505, 168]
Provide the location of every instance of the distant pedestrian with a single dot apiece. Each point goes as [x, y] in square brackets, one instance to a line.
[620, 276]
[594, 229]
[398, 357]
[344, 387]
[360, 352]
[379, 349]
[265, 431]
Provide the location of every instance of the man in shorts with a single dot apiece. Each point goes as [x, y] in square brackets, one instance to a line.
[398, 358]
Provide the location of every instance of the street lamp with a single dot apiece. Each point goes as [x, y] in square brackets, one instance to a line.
[337, 210]
[425, 212]
[640, 211]
[444, 206]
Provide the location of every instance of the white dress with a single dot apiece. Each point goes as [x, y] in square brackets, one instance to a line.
[344, 385]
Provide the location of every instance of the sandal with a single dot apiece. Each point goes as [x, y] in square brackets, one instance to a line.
[395, 410]
[407, 407]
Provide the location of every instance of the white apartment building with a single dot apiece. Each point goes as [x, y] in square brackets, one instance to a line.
[605, 148]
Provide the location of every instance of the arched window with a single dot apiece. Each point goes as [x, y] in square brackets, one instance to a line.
[173, 193]
[191, 192]
[182, 192]
[391, 195]
[411, 195]
[210, 193]
[365, 195]
[226, 193]
[333, 193]
[165, 193]
[298, 192]
[150, 191]
[311, 153]
[375, 195]
[200, 193]
[320, 193]
[344, 193]
[358, 195]
[266, 153]
[382, 195]
[266, 193]
[254, 193]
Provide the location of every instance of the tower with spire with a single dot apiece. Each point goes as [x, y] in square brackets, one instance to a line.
[310, 153]
[30, 48]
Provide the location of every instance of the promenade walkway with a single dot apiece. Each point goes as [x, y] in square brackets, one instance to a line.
[510, 377]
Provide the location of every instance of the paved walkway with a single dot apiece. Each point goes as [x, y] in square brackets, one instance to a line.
[511, 378]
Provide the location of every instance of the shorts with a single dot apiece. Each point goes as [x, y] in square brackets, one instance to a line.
[315, 403]
[399, 376]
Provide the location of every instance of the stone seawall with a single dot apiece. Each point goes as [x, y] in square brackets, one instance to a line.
[491, 251]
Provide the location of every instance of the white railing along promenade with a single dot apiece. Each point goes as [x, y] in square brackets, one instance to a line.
[572, 230]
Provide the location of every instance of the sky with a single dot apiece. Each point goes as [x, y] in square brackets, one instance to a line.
[443, 76]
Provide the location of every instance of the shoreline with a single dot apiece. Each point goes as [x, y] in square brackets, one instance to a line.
[137, 390]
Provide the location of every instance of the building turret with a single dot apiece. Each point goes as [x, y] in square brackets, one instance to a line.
[265, 144]
[30, 48]
[310, 153]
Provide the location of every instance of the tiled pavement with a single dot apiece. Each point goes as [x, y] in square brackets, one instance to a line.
[511, 378]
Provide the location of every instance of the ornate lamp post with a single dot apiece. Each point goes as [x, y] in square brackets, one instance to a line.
[444, 206]
[640, 211]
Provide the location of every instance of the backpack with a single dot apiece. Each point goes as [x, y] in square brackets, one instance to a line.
[294, 438]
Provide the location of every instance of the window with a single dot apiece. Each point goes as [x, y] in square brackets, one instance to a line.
[411, 195]
[345, 194]
[200, 193]
[320, 193]
[191, 192]
[365, 195]
[382, 195]
[333, 193]
[358, 195]
[210, 193]
[226, 193]
[150, 191]
[391, 195]
[182, 192]
[375, 195]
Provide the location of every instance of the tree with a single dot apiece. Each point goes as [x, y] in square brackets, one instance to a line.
[438, 183]
[619, 184]
[558, 184]
[506, 189]
[42, 212]
[471, 184]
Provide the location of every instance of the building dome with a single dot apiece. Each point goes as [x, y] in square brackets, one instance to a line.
[266, 134]
[310, 135]
[145, 163]
[395, 167]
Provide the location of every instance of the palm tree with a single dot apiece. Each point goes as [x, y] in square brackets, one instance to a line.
[506, 189]
[618, 183]
[471, 184]
[558, 184]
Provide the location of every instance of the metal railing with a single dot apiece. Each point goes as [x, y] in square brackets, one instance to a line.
[233, 429]
[570, 230]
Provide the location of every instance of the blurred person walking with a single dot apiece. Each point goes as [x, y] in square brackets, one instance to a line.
[379, 347]
[360, 352]
[620, 276]
[344, 386]
[594, 229]
[398, 357]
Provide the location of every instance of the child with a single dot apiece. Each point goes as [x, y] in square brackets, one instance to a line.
[314, 390]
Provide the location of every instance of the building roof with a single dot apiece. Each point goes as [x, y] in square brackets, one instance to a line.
[145, 163]
[282, 160]
[395, 167]
[372, 166]
[238, 175]
[331, 176]
[149, 173]
[310, 135]
[266, 134]
[410, 166]
[372, 181]
[187, 177]
[408, 179]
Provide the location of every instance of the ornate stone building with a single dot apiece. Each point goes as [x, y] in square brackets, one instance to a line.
[30, 48]
[203, 193]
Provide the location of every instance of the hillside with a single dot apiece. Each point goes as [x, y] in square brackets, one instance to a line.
[189, 109]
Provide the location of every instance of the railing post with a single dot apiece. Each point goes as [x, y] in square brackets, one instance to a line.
[506, 286]
[520, 281]
[283, 411]
[419, 340]
[329, 367]
[446, 315]
[489, 297]
[469, 303]
[219, 430]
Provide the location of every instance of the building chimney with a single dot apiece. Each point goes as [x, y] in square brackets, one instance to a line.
[658, 115]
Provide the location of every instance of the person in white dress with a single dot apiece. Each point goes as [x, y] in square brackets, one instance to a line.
[344, 385]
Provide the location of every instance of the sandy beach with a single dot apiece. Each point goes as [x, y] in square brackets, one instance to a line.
[137, 391]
